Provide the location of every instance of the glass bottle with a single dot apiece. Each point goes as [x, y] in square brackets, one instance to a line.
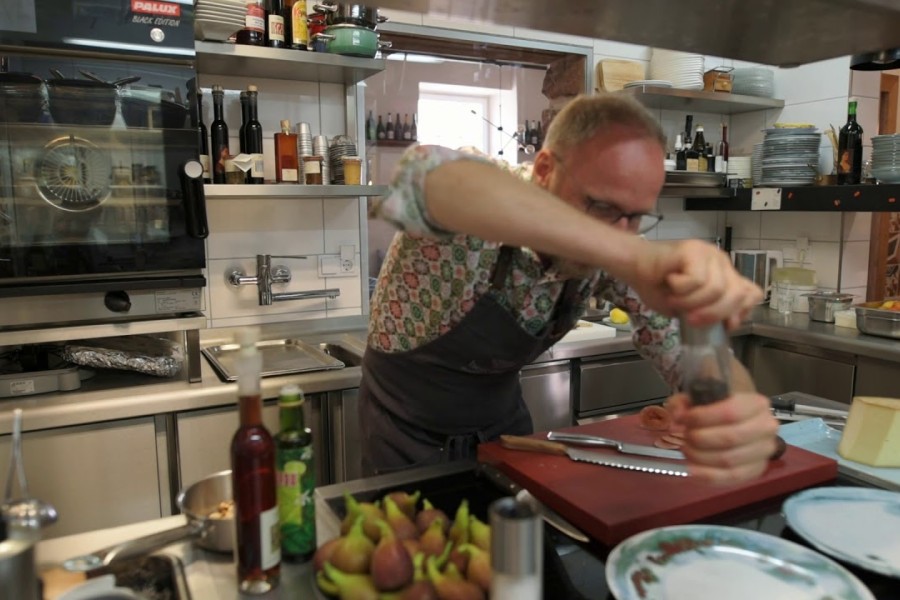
[414, 128]
[539, 136]
[257, 548]
[370, 127]
[398, 128]
[849, 167]
[688, 131]
[254, 31]
[296, 478]
[710, 158]
[296, 31]
[275, 24]
[218, 130]
[245, 116]
[698, 151]
[204, 137]
[680, 157]
[380, 132]
[705, 362]
[389, 128]
[722, 151]
[407, 131]
[253, 133]
[287, 169]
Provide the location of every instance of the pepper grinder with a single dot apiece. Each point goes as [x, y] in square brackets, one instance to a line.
[705, 362]
[517, 550]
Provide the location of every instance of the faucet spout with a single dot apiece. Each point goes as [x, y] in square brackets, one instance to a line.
[306, 295]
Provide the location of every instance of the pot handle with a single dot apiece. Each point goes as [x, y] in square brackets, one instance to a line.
[324, 36]
[325, 8]
[382, 45]
[136, 547]
[382, 19]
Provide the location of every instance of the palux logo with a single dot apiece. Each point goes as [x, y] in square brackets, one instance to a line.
[152, 7]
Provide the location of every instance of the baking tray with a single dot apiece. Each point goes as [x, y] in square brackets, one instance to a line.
[279, 357]
[878, 321]
[814, 435]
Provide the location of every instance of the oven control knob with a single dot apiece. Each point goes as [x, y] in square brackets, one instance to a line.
[157, 35]
[117, 301]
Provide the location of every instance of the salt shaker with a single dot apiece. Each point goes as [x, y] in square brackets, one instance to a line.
[705, 362]
[517, 550]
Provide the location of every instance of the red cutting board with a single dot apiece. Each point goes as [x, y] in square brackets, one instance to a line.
[610, 504]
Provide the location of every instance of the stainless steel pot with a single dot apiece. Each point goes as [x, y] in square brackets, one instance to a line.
[81, 101]
[823, 305]
[351, 14]
[197, 502]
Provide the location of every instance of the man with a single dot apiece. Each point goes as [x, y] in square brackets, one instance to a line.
[489, 270]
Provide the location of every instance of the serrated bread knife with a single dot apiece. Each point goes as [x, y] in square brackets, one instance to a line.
[623, 447]
[618, 461]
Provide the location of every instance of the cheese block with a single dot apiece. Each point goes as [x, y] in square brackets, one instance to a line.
[872, 433]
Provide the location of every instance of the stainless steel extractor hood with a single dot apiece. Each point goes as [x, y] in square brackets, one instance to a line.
[777, 32]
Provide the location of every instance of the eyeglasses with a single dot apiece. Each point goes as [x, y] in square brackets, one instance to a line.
[638, 222]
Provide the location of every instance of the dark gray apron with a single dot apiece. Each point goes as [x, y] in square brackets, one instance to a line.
[438, 402]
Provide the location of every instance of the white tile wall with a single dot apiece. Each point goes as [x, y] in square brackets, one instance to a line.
[679, 224]
[857, 227]
[813, 82]
[816, 226]
[855, 264]
[744, 224]
[475, 24]
[550, 36]
[611, 49]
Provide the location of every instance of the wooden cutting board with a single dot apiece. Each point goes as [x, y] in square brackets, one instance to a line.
[610, 504]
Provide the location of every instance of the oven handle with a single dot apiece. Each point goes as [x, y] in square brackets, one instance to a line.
[194, 199]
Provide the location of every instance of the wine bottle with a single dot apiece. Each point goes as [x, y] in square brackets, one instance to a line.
[204, 139]
[398, 128]
[257, 551]
[698, 150]
[389, 129]
[253, 134]
[245, 116]
[275, 24]
[534, 134]
[680, 157]
[722, 151]
[287, 168]
[710, 159]
[407, 131]
[414, 128]
[539, 136]
[218, 131]
[380, 132]
[296, 478]
[254, 31]
[370, 127]
[849, 167]
[688, 140]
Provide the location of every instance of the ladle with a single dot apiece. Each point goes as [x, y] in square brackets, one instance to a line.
[24, 516]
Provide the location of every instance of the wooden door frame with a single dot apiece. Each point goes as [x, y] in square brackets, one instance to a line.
[878, 236]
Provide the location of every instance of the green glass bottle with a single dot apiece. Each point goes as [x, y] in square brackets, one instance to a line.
[296, 478]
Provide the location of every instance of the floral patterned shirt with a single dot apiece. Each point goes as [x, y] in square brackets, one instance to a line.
[431, 278]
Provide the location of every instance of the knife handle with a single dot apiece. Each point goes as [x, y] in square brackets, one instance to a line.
[779, 403]
[517, 442]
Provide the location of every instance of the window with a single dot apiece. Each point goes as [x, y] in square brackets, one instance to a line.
[453, 120]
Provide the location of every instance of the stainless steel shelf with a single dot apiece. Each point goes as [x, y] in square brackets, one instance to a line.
[274, 63]
[65, 333]
[281, 190]
[708, 102]
[831, 198]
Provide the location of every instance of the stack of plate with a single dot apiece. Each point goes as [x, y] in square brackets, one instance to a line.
[886, 158]
[219, 19]
[739, 168]
[320, 148]
[684, 70]
[756, 163]
[341, 146]
[754, 81]
[790, 157]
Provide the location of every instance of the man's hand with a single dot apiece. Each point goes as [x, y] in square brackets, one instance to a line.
[729, 441]
[693, 280]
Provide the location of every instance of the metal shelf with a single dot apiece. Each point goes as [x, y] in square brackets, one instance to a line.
[699, 101]
[276, 63]
[287, 190]
[831, 198]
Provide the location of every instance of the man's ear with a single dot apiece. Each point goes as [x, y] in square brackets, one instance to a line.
[544, 162]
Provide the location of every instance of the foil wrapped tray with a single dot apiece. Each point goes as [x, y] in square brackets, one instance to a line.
[279, 357]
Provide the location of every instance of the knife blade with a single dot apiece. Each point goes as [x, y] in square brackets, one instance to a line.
[618, 461]
[781, 403]
[623, 447]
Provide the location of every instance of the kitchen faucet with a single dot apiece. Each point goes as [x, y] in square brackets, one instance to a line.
[266, 275]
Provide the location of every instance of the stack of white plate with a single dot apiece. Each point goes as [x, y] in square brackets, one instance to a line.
[790, 156]
[886, 158]
[684, 70]
[649, 83]
[756, 163]
[219, 19]
[739, 168]
[753, 81]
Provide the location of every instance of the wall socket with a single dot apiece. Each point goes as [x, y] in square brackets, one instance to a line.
[334, 266]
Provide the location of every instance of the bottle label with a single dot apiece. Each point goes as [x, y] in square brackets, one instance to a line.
[693, 164]
[299, 31]
[381, 135]
[290, 175]
[269, 538]
[276, 28]
[296, 482]
[257, 167]
[255, 19]
[390, 134]
[312, 167]
[407, 135]
[204, 161]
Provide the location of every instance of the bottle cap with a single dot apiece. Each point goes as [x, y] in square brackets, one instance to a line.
[285, 125]
[290, 395]
[217, 88]
[252, 88]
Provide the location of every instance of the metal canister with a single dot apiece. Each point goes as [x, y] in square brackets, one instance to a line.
[517, 550]
[18, 574]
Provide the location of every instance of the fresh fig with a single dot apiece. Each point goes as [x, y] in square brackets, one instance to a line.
[392, 566]
[428, 514]
[405, 502]
[402, 525]
[324, 552]
[479, 568]
[354, 553]
[449, 588]
[412, 546]
[479, 533]
[433, 540]
[351, 586]
[370, 511]
[459, 531]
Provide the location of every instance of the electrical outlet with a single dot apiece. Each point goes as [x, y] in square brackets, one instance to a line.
[333, 266]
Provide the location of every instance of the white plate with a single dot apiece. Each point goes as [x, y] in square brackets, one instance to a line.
[649, 82]
[712, 562]
[620, 326]
[851, 524]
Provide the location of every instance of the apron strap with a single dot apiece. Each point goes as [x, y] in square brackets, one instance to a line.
[501, 268]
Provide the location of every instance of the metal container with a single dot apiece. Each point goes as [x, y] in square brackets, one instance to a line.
[823, 305]
[873, 320]
[18, 574]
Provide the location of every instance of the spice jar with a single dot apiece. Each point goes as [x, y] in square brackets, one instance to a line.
[352, 169]
[312, 169]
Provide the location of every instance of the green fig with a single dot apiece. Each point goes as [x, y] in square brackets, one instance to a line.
[434, 539]
[325, 584]
[399, 522]
[429, 514]
[370, 511]
[354, 553]
[351, 586]
[417, 590]
[459, 531]
[458, 559]
[479, 567]
[406, 502]
[392, 566]
[324, 552]
[480, 533]
[412, 546]
[448, 588]
[452, 572]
